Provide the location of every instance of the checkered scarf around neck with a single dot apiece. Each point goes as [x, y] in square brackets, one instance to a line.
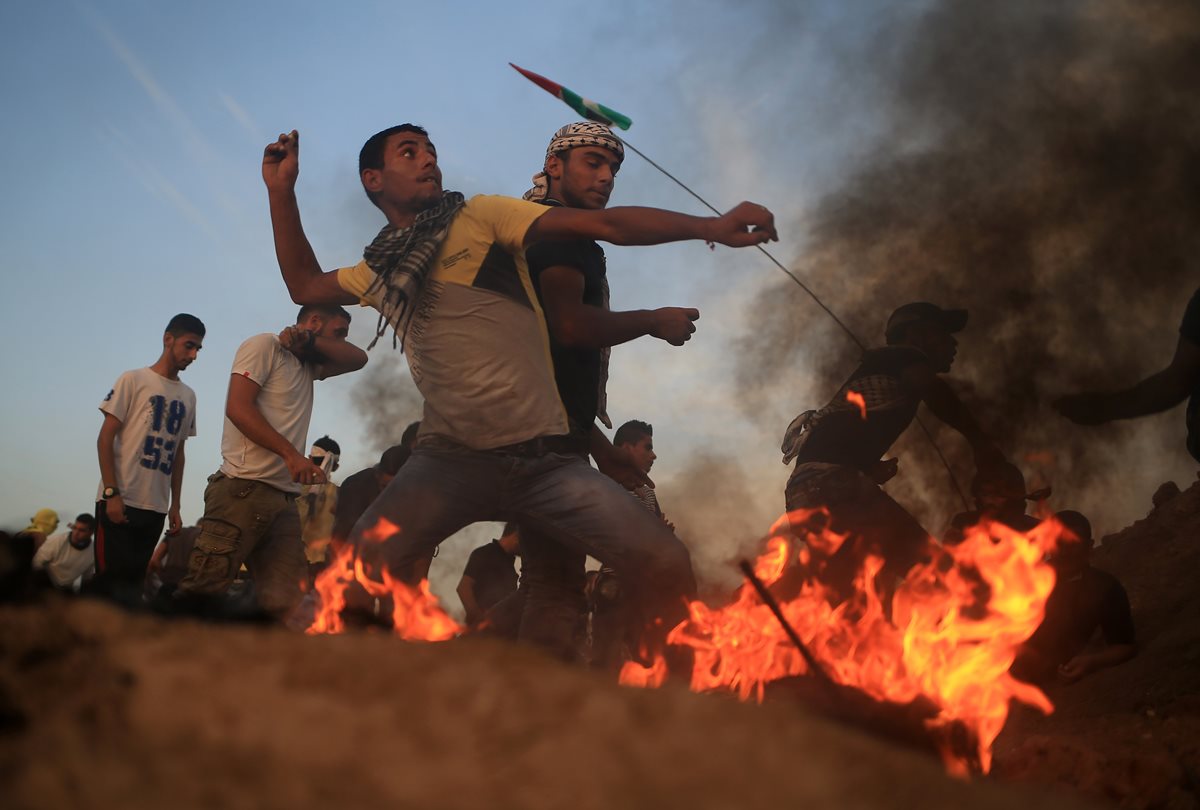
[402, 258]
[582, 133]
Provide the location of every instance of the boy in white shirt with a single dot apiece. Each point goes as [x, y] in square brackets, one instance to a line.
[148, 415]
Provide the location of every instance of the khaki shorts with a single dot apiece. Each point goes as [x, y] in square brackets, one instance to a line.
[251, 523]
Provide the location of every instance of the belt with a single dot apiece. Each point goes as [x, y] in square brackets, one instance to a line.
[542, 445]
[530, 448]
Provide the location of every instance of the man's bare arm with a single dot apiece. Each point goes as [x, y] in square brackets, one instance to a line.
[946, 406]
[1085, 664]
[1156, 393]
[578, 325]
[466, 593]
[746, 225]
[109, 429]
[242, 409]
[114, 507]
[306, 282]
[334, 355]
[174, 520]
[338, 356]
[616, 462]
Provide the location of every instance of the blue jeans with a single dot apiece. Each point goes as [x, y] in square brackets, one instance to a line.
[443, 488]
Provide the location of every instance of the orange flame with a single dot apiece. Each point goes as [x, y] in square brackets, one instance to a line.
[855, 398]
[956, 625]
[416, 614]
[651, 677]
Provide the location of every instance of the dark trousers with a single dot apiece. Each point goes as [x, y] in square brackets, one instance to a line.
[875, 523]
[549, 608]
[123, 551]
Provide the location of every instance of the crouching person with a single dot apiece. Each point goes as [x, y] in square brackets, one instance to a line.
[250, 513]
[1086, 602]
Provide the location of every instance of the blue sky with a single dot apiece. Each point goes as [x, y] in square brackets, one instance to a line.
[131, 147]
[131, 142]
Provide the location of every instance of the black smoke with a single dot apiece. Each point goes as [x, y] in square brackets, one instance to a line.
[1040, 167]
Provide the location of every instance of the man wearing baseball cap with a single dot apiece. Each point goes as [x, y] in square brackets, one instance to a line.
[839, 449]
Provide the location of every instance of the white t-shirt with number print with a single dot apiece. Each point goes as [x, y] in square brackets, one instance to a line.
[156, 415]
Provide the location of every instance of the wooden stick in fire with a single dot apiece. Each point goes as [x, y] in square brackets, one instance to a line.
[769, 600]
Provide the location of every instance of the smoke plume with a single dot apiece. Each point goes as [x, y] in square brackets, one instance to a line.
[1042, 169]
[386, 398]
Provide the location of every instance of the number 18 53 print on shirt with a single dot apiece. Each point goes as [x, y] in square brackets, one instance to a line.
[166, 420]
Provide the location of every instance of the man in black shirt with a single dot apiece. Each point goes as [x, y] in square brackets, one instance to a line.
[1158, 392]
[1084, 600]
[1001, 496]
[361, 489]
[571, 282]
[838, 449]
[490, 575]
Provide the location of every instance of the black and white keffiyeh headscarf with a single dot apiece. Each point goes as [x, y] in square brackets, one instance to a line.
[402, 258]
[582, 133]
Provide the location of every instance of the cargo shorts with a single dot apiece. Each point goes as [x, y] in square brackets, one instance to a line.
[254, 524]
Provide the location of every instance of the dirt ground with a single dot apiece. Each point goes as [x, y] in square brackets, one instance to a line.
[100, 708]
[104, 709]
[1131, 734]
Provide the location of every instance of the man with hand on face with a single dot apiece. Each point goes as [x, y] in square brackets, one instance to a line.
[148, 415]
[450, 277]
[250, 513]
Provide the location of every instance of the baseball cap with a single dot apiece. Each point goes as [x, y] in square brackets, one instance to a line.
[952, 320]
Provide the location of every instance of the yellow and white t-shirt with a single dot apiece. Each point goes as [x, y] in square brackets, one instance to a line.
[477, 345]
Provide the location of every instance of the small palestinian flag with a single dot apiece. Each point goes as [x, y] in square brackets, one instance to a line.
[588, 109]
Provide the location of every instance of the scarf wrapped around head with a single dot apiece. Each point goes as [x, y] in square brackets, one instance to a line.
[401, 259]
[583, 133]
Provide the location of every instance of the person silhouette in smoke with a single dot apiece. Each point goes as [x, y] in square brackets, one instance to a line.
[838, 449]
[1164, 389]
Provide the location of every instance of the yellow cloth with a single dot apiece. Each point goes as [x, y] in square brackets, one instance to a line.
[477, 345]
[45, 521]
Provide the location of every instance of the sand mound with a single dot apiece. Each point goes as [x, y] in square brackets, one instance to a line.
[1132, 733]
[99, 708]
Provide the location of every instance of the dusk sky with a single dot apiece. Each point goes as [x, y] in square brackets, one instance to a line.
[130, 149]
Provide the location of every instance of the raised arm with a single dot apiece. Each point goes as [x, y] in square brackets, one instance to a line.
[746, 225]
[306, 282]
[242, 409]
[338, 356]
[334, 355]
[1158, 392]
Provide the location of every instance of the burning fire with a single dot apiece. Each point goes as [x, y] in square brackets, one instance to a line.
[651, 677]
[956, 624]
[416, 614]
[855, 398]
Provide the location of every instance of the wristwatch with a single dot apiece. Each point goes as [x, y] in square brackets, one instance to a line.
[110, 492]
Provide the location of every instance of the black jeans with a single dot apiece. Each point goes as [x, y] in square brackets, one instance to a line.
[123, 551]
